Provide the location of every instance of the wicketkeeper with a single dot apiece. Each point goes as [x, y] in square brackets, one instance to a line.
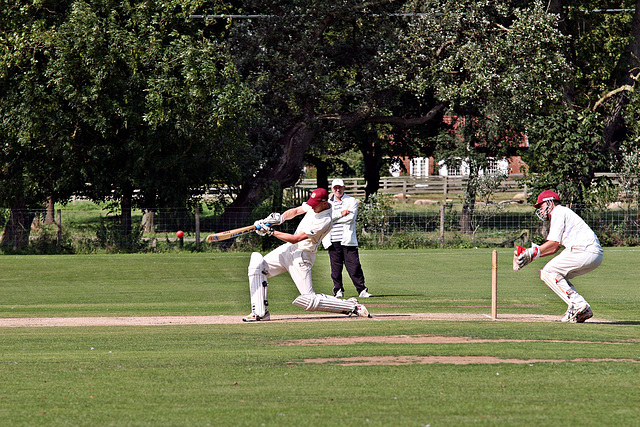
[296, 256]
[582, 253]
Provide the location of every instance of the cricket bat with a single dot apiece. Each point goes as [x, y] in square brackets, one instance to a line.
[230, 234]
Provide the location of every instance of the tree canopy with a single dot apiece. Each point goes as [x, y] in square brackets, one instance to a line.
[141, 103]
[105, 98]
[590, 129]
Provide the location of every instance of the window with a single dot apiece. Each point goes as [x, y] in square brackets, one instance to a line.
[497, 166]
[419, 167]
[453, 168]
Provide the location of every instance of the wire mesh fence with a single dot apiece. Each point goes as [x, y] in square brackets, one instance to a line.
[91, 228]
[490, 226]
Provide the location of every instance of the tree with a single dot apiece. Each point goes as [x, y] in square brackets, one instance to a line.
[494, 65]
[36, 162]
[154, 101]
[616, 64]
[319, 69]
[104, 97]
[568, 149]
[586, 132]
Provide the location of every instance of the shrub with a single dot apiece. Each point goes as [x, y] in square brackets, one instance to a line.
[113, 238]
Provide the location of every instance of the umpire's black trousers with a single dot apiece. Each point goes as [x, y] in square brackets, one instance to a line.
[340, 255]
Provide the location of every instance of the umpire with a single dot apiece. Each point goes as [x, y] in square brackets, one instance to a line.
[342, 243]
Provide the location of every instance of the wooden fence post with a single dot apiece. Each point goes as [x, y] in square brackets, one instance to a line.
[197, 228]
[494, 284]
[443, 209]
[59, 221]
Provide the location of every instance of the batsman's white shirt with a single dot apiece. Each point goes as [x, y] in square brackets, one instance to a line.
[315, 226]
[298, 258]
[571, 231]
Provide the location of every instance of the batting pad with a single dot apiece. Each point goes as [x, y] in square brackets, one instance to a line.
[551, 280]
[322, 302]
[258, 284]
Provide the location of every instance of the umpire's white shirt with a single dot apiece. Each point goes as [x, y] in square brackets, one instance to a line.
[347, 223]
[571, 231]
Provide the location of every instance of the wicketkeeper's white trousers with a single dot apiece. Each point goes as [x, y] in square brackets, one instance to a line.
[573, 262]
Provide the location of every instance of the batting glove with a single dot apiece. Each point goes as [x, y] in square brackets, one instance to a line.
[528, 255]
[274, 219]
[262, 228]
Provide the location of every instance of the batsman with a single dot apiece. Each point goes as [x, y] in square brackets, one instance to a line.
[296, 256]
[582, 253]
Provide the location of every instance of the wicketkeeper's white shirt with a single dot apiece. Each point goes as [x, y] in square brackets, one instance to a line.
[571, 231]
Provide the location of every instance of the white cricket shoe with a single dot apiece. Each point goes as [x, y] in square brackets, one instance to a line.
[582, 312]
[255, 318]
[569, 314]
[360, 310]
[365, 294]
[340, 294]
[584, 315]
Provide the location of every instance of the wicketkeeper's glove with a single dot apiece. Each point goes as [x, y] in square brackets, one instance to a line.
[274, 219]
[263, 228]
[524, 257]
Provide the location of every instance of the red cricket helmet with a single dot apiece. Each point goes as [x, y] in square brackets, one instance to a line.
[545, 196]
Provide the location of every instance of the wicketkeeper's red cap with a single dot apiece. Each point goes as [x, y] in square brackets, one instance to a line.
[319, 195]
[545, 196]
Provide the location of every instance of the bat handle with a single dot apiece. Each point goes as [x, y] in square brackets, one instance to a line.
[258, 227]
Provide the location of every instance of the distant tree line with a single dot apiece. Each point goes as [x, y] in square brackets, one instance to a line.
[145, 103]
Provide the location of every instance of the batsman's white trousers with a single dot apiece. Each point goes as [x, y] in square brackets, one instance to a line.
[298, 263]
[573, 262]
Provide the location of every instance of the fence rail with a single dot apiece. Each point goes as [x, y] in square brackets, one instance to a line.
[408, 186]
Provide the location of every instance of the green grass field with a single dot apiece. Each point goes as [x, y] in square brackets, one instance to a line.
[245, 375]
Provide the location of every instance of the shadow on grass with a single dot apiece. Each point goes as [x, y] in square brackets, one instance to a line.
[390, 295]
[618, 322]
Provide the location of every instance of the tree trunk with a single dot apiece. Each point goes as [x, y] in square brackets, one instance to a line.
[469, 205]
[322, 177]
[18, 228]
[322, 170]
[372, 153]
[49, 218]
[276, 204]
[148, 221]
[125, 217]
[285, 170]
